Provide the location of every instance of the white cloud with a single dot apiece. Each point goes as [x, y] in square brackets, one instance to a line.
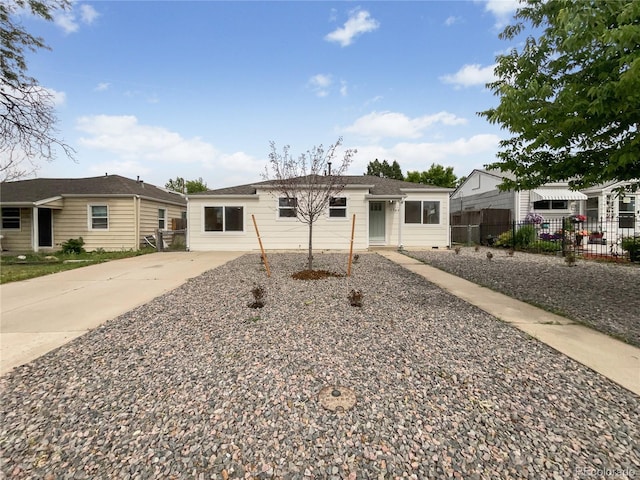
[133, 143]
[471, 75]
[320, 84]
[59, 98]
[102, 86]
[88, 14]
[463, 154]
[344, 89]
[451, 20]
[359, 22]
[130, 148]
[378, 125]
[502, 10]
[68, 19]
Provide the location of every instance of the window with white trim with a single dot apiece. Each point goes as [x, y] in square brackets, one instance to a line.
[11, 218]
[426, 212]
[287, 207]
[224, 219]
[551, 205]
[99, 217]
[338, 207]
[162, 218]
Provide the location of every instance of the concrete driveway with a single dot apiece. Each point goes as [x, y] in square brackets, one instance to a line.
[43, 313]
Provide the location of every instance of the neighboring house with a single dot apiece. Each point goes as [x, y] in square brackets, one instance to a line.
[109, 212]
[480, 192]
[387, 213]
[610, 213]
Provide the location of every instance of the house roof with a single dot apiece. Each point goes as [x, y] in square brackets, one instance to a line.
[378, 186]
[38, 189]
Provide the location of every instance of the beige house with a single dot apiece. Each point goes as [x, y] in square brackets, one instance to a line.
[109, 212]
[387, 213]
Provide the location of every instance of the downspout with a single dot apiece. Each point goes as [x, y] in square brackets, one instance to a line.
[400, 204]
[187, 236]
[136, 209]
[34, 230]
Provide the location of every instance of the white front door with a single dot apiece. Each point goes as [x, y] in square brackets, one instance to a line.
[376, 222]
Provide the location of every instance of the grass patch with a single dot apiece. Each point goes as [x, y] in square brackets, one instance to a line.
[14, 269]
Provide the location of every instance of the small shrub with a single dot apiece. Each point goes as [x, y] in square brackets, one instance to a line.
[356, 257]
[632, 245]
[505, 239]
[525, 236]
[355, 298]
[258, 293]
[73, 246]
[570, 259]
[548, 246]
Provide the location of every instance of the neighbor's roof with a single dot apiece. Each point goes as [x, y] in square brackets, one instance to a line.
[37, 189]
[378, 186]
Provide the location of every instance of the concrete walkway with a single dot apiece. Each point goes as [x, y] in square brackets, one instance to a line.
[612, 358]
[43, 313]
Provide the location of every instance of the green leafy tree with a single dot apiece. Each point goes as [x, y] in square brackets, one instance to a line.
[384, 169]
[181, 185]
[176, 185]
[571, 97]
[27, 115]
[194, 186]
[308, 181]
[437, 175]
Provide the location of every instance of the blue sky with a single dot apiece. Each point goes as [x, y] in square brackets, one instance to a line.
[160, 89]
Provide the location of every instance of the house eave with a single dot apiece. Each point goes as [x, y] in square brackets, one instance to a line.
[229, 196]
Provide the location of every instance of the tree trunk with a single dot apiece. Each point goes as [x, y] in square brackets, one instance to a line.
[310, 257]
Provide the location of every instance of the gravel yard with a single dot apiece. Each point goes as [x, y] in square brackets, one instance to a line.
[604, 296]
[196, 384]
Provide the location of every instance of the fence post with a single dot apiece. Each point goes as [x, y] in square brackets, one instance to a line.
[564, 239]
[159, 241]
[468, 234]
[513, 235]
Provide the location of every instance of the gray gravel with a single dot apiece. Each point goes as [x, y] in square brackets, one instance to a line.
[603, 296]
[196, 384]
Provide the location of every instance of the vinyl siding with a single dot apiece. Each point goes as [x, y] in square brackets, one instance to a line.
[328, 233]
[423, 235]
[74, 221]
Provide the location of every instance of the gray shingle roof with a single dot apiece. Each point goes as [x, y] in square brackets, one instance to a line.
[379, 186]
[33, 190]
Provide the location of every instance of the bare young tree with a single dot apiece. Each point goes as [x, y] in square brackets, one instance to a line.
[27, 115]
[308, 181]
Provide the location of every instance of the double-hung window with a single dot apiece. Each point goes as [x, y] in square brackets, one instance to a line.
[224, 219]
[287, 207]
[11, 218]
[162, 218]
[426, 212]
[99, 217]
[338, 207]
[626, 208]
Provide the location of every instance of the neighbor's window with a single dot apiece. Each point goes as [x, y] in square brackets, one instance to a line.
[627, 204]
[592, 209]
[551, 205]
[426, 212]
[99, 217]
[338, 207]
[287, 207]
[162, 218]
[223, 219]
[11, 218]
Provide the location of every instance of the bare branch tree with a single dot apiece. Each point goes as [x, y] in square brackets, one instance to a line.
[27, 110]
[308, 181]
